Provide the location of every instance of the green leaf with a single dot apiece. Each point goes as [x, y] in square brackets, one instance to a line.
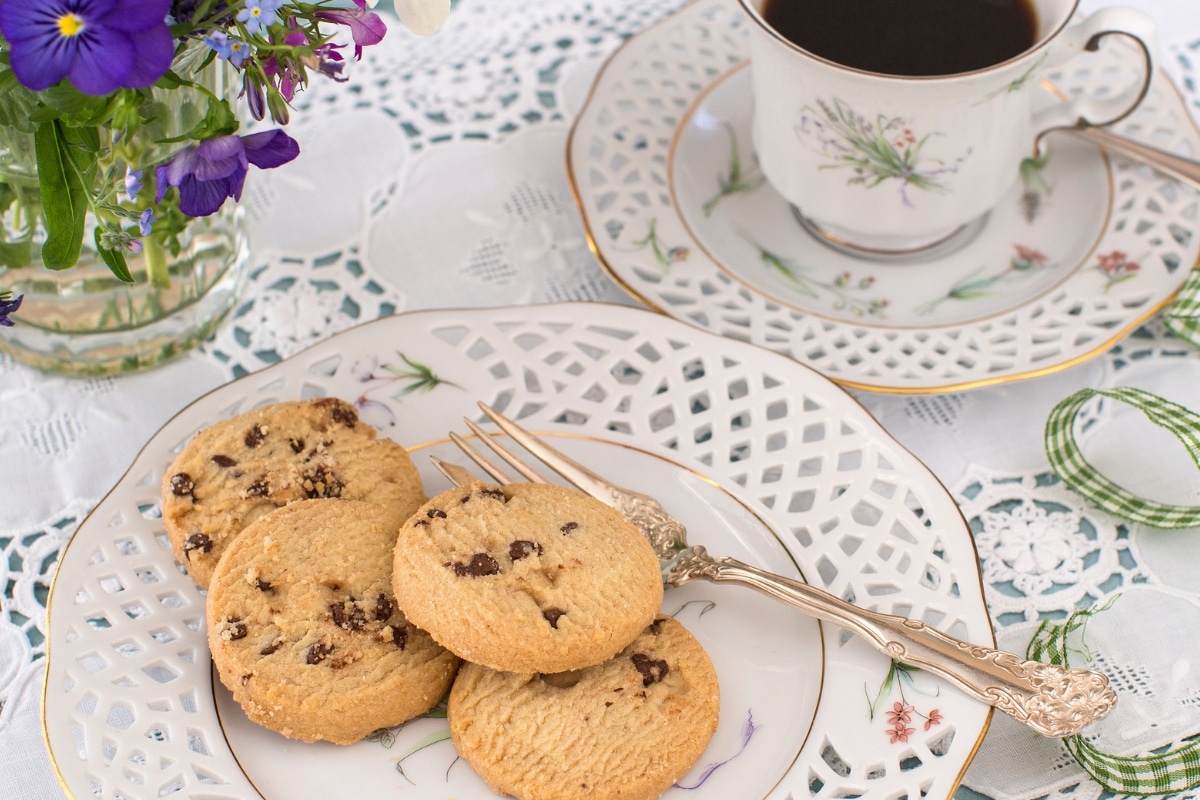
[17, 104]
[66, 99]
[114, 259]
[64, 201]
[15, 255]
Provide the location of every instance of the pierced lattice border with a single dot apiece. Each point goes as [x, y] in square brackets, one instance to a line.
[128, 703]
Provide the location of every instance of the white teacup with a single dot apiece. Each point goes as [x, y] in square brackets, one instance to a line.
[956, 141]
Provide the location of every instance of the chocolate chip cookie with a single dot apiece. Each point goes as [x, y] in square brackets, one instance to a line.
[625, 729]
[305, 631]
[233, 472]
[526, 577]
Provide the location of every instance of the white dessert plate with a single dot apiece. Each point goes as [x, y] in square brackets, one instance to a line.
[760, 456]
[1081, 251]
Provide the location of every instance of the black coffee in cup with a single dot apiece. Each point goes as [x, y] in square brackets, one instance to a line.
[907, 37]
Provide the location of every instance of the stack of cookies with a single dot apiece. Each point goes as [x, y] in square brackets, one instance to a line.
[535, 606]
[572, 685]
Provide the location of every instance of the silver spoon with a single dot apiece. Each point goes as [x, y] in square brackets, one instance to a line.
[1184, 169]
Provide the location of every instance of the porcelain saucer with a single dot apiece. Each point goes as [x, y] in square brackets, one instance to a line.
[1083, 249]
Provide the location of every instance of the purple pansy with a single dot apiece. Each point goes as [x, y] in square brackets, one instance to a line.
[9, 305]
[209, 172]
[100, 45]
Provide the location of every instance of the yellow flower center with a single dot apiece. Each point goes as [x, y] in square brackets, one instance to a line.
[70, 24]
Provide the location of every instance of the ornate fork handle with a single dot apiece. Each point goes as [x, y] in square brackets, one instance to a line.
[1052, 700]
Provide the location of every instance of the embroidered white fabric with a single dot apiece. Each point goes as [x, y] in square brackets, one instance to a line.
[435, 178]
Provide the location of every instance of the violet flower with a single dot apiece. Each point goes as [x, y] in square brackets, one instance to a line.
[209, 172]
[366, 28]
[9, 305]
[100, 45]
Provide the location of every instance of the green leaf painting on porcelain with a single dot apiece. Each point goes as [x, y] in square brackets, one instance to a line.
[664, 255]
[733, 180]
[848, 292]
[878, 151]
[409, 377]
[977, 284]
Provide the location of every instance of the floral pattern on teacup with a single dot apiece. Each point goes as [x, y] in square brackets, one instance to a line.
[879, 151]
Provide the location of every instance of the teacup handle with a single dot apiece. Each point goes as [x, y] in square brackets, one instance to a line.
[1087, 111]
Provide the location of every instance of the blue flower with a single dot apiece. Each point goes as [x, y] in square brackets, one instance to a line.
[228, 48]
[133, 182]
[100, 45]
[258, 15]
[215, 169]
[9, 305]
[145, 221]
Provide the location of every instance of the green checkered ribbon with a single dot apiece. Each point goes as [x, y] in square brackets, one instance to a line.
[1163, 773]
[1182, 317]
[1068, 462]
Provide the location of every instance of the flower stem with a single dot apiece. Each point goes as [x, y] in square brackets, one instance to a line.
[156, 263]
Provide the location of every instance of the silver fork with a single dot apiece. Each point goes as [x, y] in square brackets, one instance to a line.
[1052, 700]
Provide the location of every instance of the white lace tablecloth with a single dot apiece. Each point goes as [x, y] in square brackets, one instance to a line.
[435, 178]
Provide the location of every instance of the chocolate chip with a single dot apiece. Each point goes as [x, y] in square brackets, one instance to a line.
[182, 484]
[419, 522]
[495, 494]
[384, 607]
[318, 482]
[400, 636]
[464, 499]
[234, 629]
[318, 652]
[521, 548]
[256, 434]
[652, 670]
[263, 586]
[481, 564]
[348, 615]
[552, 615]
[568, 527]
[435, 513]
[655, 627]
[246, 678]
[271, 648]
[296, 444]
[345, 414]
[223, 461]
[197, 541]
[260, 488]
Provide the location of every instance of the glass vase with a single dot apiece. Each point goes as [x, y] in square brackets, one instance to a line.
[83, 320]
